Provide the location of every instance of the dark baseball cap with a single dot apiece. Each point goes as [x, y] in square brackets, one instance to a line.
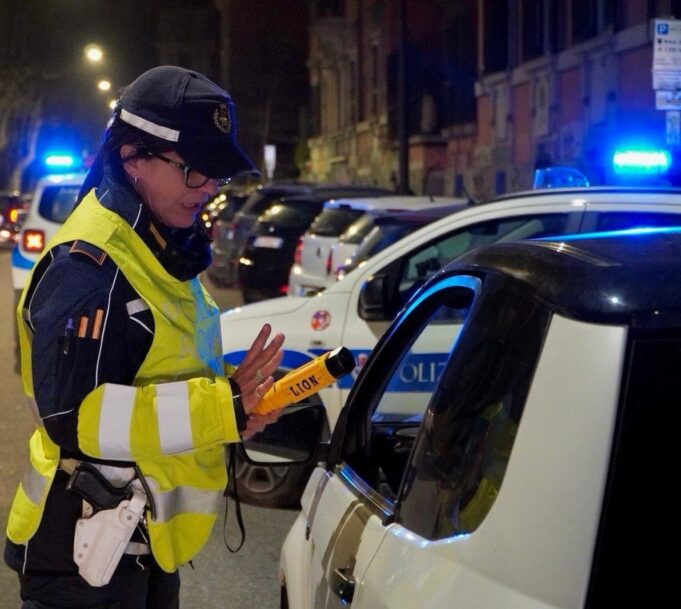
[190, 111]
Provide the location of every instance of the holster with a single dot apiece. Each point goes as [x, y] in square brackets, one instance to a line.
[101, 538]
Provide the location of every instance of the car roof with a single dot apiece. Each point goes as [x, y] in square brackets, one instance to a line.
[323, 195]
[65, 179]
[594, 277]
[283, 187]
[586, 191]
[391, 202]
[426, 214]
[352, 190]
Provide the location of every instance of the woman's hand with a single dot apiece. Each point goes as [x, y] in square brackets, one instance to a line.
[254, 374]
[257, 422]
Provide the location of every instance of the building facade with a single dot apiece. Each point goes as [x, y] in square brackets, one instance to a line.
[494, 89]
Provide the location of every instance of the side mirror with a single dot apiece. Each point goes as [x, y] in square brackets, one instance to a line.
[293, 439]
[373, 299]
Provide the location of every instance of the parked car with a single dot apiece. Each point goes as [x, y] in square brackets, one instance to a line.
[224, 205]
[542, 383]
[313, 268]
[356, 311]
[53, 199]
[228, 244]
[266, 259]
[229, 238]
[13, 211]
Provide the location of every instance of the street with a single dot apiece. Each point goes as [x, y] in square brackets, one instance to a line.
[219, 579]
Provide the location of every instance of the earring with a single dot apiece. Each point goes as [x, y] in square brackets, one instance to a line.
[135, 178]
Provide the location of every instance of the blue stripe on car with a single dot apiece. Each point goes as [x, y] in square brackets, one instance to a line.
[20, 261]
[418, 373]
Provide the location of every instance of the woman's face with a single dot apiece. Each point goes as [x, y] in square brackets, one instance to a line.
[162, 187]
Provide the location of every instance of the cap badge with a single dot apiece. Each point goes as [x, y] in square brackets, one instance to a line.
[221, 118]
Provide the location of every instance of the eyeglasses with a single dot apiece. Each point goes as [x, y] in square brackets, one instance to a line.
[193, 178]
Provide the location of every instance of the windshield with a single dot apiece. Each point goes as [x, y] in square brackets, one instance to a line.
[292, 213]
[359, 229]
[334, 220]
[57, 202]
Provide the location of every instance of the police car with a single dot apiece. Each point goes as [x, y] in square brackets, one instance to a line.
[533, 470]
[53, 200]
[356, 311]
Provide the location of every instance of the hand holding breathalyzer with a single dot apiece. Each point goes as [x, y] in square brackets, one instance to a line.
[254, 373]
[307, 380]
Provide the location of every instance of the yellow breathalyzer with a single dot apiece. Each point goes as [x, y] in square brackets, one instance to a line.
[307, 380]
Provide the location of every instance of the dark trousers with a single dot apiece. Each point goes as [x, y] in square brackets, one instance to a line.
[150, 588]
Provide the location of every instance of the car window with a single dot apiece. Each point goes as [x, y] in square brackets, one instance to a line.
[608, 221]
[396, 399]
[57, 202]
[429, 259]
[386, 235]
[256, 204]
[409, 388]
[358, 230]
[333, 221]
[294, 213]
[460, 458]
[226, 213]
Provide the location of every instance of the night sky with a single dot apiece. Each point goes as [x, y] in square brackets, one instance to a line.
[41, 50]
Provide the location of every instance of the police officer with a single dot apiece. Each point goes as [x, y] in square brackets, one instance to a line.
[121, 357]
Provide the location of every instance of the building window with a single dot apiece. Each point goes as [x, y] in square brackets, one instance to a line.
[533, 20]
[500, 182]
[495, 35]
[591, 17]
[459, 190]
[374, 79]
[354, 93]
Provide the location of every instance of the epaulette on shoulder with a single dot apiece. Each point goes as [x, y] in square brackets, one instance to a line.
[83, 248]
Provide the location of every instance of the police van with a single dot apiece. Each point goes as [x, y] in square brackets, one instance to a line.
[357, 310]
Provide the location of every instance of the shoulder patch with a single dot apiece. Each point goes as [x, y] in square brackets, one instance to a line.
[87, 249]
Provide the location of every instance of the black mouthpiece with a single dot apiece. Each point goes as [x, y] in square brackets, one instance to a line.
[340, 362]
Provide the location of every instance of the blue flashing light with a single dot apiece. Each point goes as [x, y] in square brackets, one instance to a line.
[641, 162]
[559, 177]
[59, 160]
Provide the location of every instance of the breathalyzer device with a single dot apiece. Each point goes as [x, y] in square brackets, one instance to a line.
[307, 380]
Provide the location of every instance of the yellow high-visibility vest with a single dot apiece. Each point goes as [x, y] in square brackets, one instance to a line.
[172, 421]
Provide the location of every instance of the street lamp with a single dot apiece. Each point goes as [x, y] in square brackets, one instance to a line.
[104, 85]
[93, 53]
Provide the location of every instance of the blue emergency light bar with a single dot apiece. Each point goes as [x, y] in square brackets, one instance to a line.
[59, 160]
[641, 162]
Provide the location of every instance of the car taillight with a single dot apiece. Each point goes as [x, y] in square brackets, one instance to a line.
[283, 289]
[298, 256]
[33, 241]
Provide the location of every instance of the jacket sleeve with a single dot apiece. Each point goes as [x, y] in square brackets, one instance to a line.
[135, 423]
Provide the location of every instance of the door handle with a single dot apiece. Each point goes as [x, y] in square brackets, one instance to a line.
[343, 584]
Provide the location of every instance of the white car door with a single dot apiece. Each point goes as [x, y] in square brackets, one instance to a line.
[351, 508]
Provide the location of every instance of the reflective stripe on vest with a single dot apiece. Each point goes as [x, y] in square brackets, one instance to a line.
[34, 484]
